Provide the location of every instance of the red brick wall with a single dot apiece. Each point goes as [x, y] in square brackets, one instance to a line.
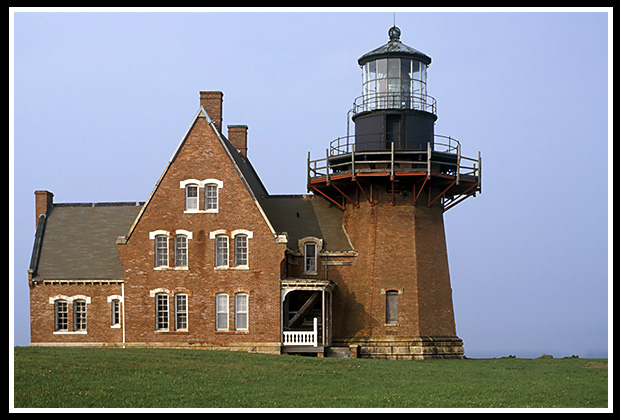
[202, 157]
[98, 314]
[402, 248]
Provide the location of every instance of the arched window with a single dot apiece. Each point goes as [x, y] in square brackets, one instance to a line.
[221, 251]
[161, 251]
[191, 197]
[79, 315]
[161, 312]
[211, 201]
[241, 250]
[241, 311]
[180, 311]
[61, 315]
[180, 250]
[310, 258]
[221, 311]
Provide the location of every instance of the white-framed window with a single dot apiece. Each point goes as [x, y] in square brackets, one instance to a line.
[310, 247]
[115, 309]
[61, 315]
[310, 254]
[180, 311]
[79, 315]
[221, 311]
[191, 197]
[241, 250]
[161, 312]
[211, 198]
[221, 251]
[211, 188]
[161, 251]
[241, 311]
[180, 250]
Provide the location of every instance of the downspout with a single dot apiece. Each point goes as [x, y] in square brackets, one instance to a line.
[123, 297]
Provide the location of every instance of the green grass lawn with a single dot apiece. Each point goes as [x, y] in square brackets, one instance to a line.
[96, 377]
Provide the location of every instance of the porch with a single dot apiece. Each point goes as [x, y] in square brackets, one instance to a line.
[306, 315]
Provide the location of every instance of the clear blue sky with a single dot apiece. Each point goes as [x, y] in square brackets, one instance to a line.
[101, 101]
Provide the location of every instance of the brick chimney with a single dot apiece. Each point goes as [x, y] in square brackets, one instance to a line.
[43, 202]
[238, 137]
[212, 103]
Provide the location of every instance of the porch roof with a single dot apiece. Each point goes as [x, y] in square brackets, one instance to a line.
[307, 284]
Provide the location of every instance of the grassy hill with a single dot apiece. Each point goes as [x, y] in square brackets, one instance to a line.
[97, 377]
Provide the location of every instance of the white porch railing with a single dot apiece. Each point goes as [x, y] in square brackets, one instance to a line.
[301, 338]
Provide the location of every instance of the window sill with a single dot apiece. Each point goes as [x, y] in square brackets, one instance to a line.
[225, 268]
[232, 332]
[166, 268]
[201, 211]
[70, 332]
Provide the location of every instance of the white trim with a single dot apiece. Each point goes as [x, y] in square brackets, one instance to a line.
[69, 299]
[201, 184]
[191, 181]
[187, 233]
[115, 297]
[247, 311]
[217, 232]
[154, 292]
[319, 243]
[213, 181]
[248, 233]
[155, 233]
[219, 327]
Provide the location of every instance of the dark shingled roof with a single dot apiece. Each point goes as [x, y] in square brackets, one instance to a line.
[297, 215]
[307, 215]
[79, 241]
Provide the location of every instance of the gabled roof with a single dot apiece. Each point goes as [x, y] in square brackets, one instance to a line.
[243, 167]
[77, 241]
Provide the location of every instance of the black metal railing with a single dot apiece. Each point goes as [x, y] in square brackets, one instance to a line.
[382, 141]
[443, 156]
[394, 100]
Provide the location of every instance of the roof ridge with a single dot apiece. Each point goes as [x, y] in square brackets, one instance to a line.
[101, 204]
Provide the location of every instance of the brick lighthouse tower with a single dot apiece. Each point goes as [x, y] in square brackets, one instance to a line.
[394, 178]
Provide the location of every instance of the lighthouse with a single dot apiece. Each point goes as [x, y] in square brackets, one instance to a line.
[394, 177]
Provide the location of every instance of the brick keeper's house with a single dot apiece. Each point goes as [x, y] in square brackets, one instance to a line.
[211, 260]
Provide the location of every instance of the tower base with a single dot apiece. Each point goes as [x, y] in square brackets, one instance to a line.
[410, 348]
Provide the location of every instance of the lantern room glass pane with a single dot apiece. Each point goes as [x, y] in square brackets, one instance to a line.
[393, 67]
[382, 68]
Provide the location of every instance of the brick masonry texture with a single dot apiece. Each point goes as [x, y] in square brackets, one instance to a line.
[398, 247]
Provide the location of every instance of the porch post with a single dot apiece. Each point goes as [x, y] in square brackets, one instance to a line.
[323, 323]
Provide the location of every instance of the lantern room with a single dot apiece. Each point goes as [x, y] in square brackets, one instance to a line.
[395, 107]
[394, 77]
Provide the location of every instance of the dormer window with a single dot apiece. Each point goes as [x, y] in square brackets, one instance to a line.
[310, 246]
[310, 258]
